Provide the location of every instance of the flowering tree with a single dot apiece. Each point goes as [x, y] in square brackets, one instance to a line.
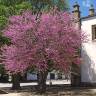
[48, 43]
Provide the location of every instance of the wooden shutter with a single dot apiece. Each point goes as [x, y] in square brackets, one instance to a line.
[93, 32]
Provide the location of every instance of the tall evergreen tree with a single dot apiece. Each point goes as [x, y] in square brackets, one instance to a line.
[47, 4]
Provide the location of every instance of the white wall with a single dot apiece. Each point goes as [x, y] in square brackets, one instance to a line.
[88, 67]
[31, 76]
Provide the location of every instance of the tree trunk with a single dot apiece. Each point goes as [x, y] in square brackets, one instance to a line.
[42, 76]
[75, 80]
[16, 82]
[75, 76]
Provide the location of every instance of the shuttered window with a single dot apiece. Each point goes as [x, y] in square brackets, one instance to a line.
[93, 32]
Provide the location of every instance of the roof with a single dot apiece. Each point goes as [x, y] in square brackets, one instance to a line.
[88, 17]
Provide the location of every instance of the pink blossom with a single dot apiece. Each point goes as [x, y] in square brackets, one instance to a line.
[35, 42]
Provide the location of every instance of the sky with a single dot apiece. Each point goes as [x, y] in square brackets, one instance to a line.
[84, 5]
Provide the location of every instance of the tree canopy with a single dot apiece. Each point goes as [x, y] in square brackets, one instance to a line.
[52, 40]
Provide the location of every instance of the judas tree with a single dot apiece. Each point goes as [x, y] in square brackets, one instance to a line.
[51, 42]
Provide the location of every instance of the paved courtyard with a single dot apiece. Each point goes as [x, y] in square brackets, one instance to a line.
[51, 91]
[75, 92]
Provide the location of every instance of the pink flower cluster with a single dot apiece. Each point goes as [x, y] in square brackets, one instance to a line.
[53, 37]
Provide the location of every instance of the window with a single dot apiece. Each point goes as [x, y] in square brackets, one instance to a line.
[52, 76]
[93, 32]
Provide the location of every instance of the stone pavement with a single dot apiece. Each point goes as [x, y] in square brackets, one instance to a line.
[11, 94]
[19, 94]
[60, 91]
[73, 92]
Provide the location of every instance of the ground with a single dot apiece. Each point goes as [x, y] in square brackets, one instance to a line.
[56, 89]
[66, 92]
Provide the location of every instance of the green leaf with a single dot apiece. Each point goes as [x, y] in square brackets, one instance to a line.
[3, 22]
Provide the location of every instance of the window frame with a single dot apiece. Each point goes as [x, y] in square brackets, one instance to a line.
[94, 32]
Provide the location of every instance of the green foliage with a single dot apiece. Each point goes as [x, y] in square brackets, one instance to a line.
[2, 70]
[3, 21]
[3, 10]
[22, 6]
[7, 2]
[4, 40]
[63, 4]
[11, 2]
[47, 4]
[11, 7]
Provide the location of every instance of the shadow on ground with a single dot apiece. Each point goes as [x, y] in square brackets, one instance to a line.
[3, 92]
[60, 90]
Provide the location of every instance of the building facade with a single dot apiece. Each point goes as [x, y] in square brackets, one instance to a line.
[53, 75]
[88, 51]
